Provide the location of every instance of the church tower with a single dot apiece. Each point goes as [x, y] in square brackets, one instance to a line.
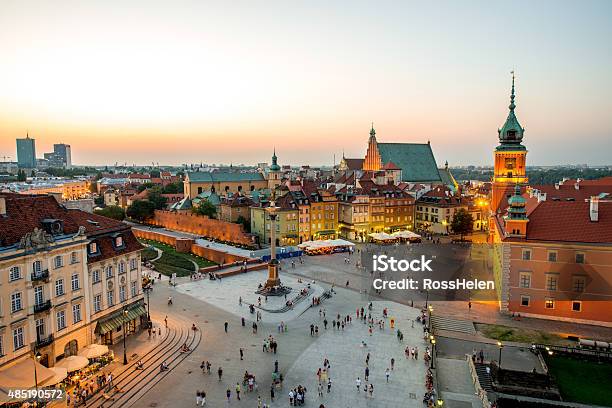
[372, 159]
[510, 159]
[274, 173]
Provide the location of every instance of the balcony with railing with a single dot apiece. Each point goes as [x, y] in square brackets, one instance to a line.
[42, 306]
[44, 341]
[40, 276]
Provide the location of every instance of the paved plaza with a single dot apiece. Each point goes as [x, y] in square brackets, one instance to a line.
[209, 304]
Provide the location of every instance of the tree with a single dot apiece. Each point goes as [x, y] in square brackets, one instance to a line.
[205, 208]
[462, 222]
[142, 187]
[21, 176]
[99, 200]
[155, 196]
[173, 188]
[154, 173]
[245, 223]
[141, 210]
[33, 173]
[112, 211]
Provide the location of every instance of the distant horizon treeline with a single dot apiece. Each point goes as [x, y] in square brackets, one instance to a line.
[536, 176]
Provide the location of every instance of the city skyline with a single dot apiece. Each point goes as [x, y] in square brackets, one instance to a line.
[173, 85]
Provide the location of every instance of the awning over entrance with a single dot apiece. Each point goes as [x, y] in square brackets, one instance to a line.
[115, 320]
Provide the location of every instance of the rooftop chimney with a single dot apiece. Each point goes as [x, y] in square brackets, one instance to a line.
[541, 197]
[2, 206]
[577, 186]
[594, 209]
[557, 185]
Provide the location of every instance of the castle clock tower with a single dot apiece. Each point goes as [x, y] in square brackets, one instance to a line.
[372, 159]
[510, 159]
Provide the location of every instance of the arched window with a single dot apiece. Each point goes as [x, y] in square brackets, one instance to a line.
[37, 267]
[71, 348]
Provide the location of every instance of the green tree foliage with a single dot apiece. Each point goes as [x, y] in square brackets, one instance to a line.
[205, 208]
[245, 223]
[173, 188]
[21, 176]
[142, 187]
[155, 196]
[99, 200]
[462, 222]
[141, 210]
[154, 173]
[112, 211]
[536, 175]
[76, 171]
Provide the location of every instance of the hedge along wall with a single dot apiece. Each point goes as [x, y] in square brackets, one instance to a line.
[207, 253]
[201, 225]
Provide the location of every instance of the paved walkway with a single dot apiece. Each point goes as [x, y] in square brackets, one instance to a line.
[455, 384]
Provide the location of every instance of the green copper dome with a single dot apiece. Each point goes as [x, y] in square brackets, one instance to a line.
[511, 133]
[274, 166]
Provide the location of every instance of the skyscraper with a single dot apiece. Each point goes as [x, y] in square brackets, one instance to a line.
[63, 150]
[26, 153]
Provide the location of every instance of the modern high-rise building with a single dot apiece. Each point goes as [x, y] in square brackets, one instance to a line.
[63, 150]
[26, 153]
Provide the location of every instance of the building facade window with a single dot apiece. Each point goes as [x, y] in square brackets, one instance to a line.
[59, 287]
[74, 257]
[549, 303]
[76, 313]
[579, 258]
[18, 340]
[109, 272]
[74, 282]
[61, 320]
[122, 297]
[93, 248]
[40, 329]
[134, 289]
[118, 241]
[121, 267]
[110, 298]
[525, 301]
[576, 306]
[133, 264]
[37, 267]
[14, 273]
[58, 261]
[95, 276]
[579, 284]
[1, 345]
[97, 303]
[526, 254]
[552, 256]
[525, 280]
[38, 295]
[551, 282]
[16, 304]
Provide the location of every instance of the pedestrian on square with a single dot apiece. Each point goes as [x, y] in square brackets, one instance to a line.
[241, 353]
[367, 373]
[198, 398]
[325, 324]
[272, 393]
[228, 394]
[238, 391]
[276, 366]
[392, 363]
[225, 326]
[220, 372]
[291, 396]
[358, 384]
[166, 321]
[203, 395]
[254, 328]
[320, 389]
[371, 390]
[387, 373]
[159, 331]
[329, 384]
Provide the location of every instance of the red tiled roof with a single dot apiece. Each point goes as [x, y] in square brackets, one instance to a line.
[390, 166]
[568, 190]
[570, 221]
[354, 164]
[24, 213]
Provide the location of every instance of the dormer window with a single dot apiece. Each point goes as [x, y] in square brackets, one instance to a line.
[93, 248]
[119, 241]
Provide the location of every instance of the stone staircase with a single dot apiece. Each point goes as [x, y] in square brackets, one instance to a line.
[483, 377]
[446, 323]
[299, 298]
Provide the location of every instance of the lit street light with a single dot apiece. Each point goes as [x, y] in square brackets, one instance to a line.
[147, 289]
[501, 346]
[433, 352]
[37, 358]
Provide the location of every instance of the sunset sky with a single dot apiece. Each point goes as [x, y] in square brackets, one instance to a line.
[188, 81]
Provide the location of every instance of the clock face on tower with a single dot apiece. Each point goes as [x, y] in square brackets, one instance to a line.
[510, 163]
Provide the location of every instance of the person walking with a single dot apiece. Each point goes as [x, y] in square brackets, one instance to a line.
[272, 393]
[329, 383]
[241, 353]
[358, 384]
[238, 391]
[198, 398]
[387, 373]
[320, 388]
[371, 390]
[367, 373]
[225, 325]
[220, 373]
[228, 394]
[392, 363]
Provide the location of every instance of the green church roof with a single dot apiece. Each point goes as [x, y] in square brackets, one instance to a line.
[416, 160]
[212, 177]
[511, 133]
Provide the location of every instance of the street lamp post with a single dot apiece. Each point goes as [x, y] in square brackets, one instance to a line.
[37, 358]
[147, 289]
[501, 346]
[433, 352]
[125, 361]
[429, 311]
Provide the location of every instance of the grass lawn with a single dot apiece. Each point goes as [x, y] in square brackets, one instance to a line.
[148, 253]
[506, 333]
[580, 381]
[202, 262]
